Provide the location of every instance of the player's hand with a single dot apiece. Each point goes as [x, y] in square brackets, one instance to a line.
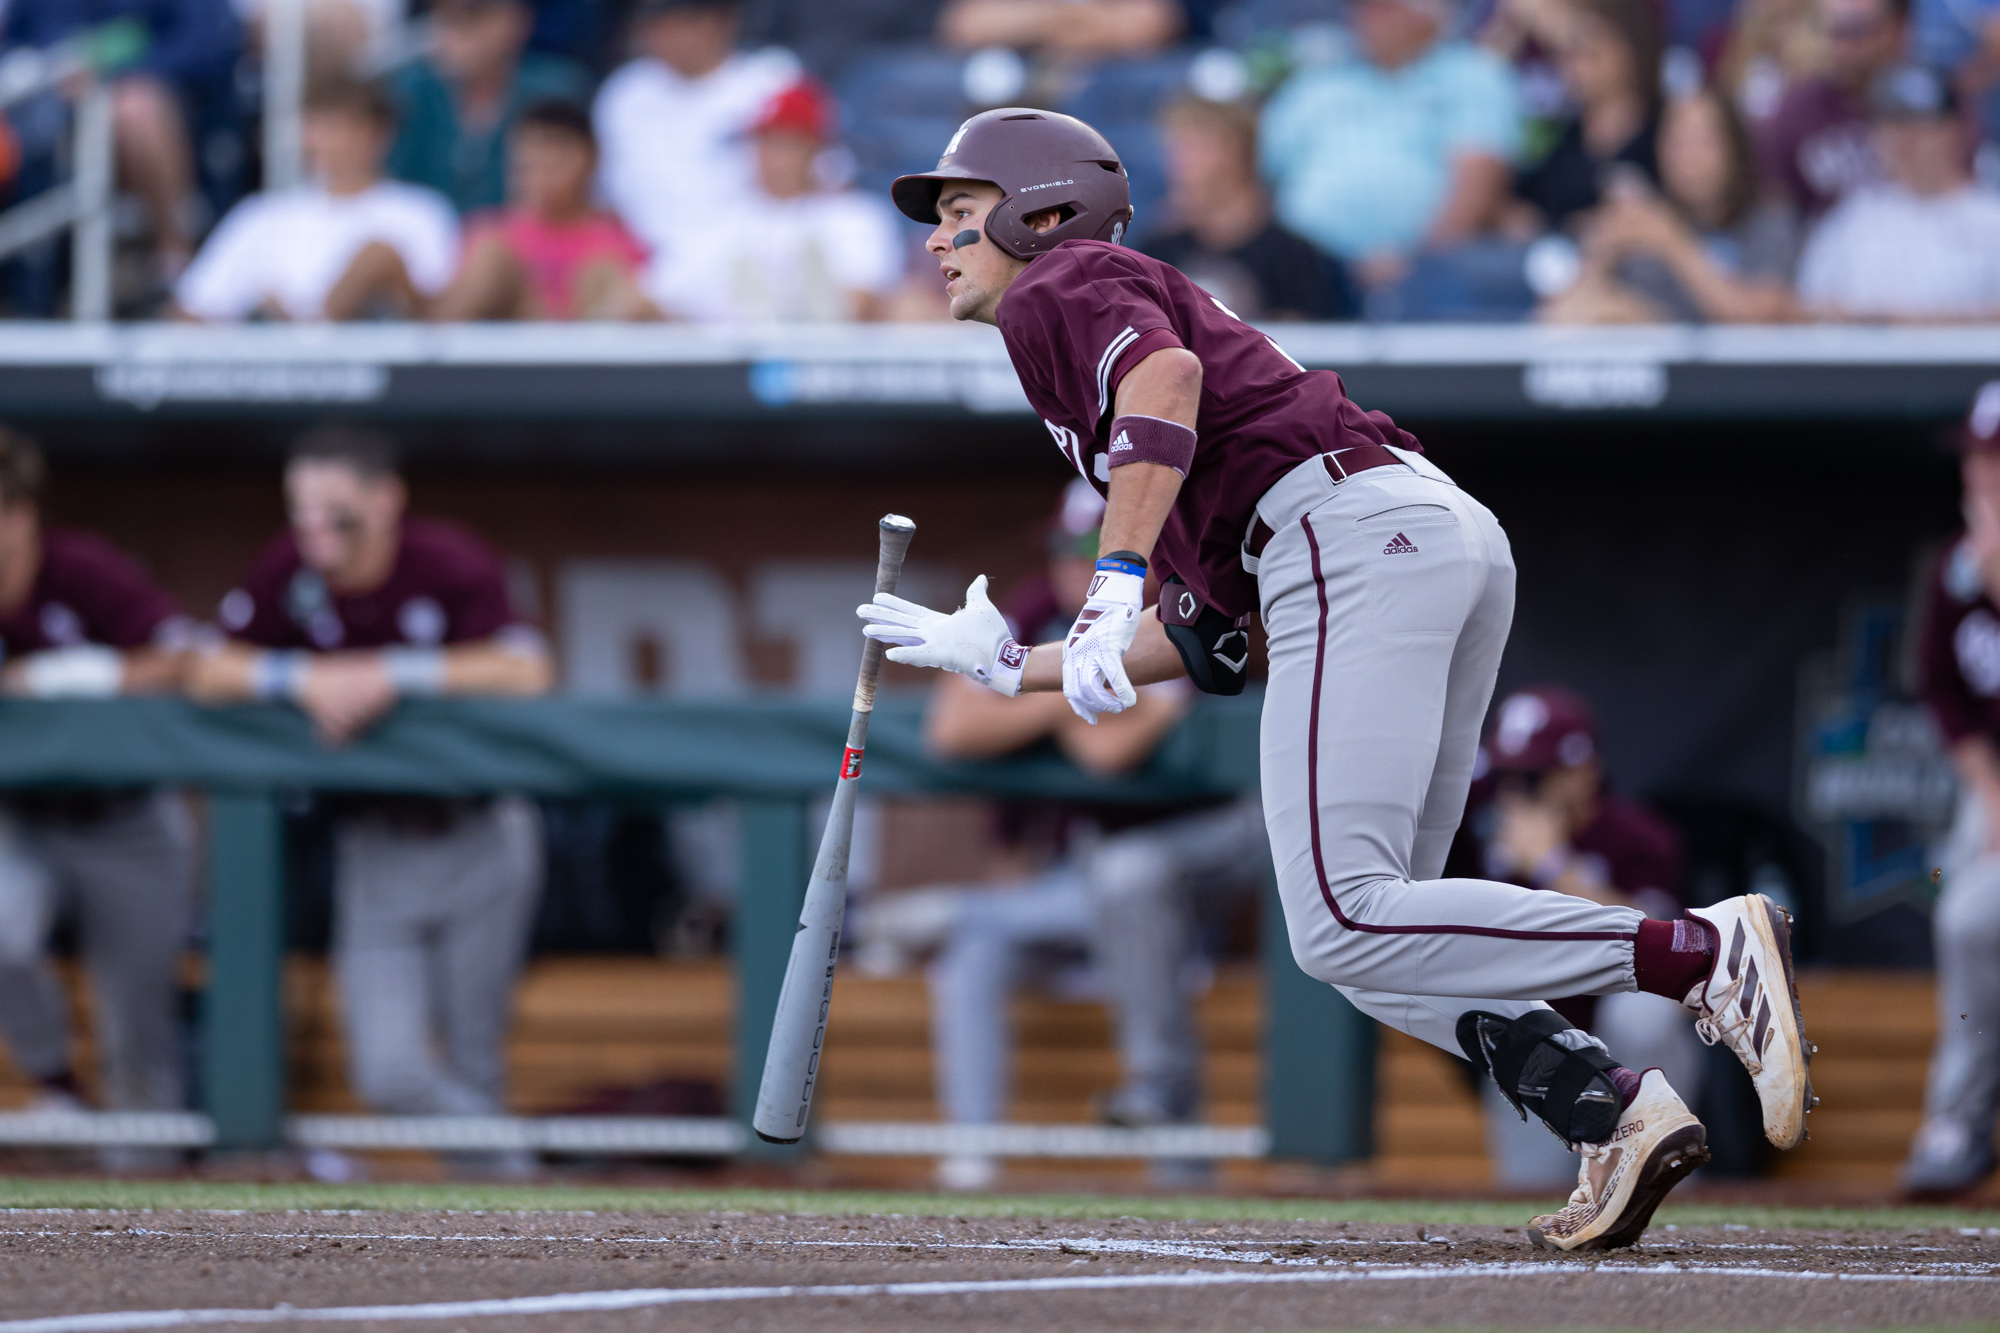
[973, 640]
[344, 693]
[1094, 679]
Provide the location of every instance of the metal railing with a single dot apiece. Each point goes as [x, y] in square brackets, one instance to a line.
[83, 203]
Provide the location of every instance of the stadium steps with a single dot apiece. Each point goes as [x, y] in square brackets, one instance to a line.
[588, 1027]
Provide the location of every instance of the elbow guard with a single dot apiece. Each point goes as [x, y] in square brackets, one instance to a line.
[1543, 1064]
[1214, 648]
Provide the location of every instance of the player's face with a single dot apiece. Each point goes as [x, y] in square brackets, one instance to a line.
[343, 521]
[549, 171]
[976, 275]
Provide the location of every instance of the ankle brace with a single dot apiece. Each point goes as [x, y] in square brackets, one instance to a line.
[1541, 1063]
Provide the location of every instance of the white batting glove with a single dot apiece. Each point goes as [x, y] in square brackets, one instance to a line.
[1094, 679]
[973, 640]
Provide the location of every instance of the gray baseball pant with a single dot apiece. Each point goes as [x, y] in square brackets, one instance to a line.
[1144, 884]
[129, 877]
[1383, 658]
[1964, 1084]
[430, 930]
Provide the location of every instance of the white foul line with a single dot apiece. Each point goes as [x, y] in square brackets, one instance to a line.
[578, 1302]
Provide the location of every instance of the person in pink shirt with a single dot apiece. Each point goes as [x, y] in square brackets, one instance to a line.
[548, 254]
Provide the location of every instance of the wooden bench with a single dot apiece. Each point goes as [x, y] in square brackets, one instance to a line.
[585, 1026]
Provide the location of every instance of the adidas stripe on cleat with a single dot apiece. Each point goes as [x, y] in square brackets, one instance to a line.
[1750, 1002]
[1657, 1143]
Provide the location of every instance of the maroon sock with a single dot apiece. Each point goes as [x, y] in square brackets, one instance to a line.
[1627, 1083]
[1671, 957]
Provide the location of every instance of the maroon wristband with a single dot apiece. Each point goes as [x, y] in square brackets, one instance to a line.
[1137, 439]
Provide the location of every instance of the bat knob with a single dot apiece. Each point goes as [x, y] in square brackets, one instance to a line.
[897, 523]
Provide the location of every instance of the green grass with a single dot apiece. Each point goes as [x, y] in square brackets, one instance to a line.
[119, 1194]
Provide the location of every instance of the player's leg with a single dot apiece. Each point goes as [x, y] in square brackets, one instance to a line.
[384, 915]
[1386, 605]
[133, 873]
[1364, 645]
[496, 862]
[1143, 887]
[34, 1012]
[1954, 1149]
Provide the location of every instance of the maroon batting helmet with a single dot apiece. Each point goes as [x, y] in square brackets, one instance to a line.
[1040, 160]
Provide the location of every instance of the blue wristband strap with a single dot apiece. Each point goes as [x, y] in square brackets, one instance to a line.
[1123, 562]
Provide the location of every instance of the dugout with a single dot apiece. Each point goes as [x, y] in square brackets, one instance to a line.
[1714, 527]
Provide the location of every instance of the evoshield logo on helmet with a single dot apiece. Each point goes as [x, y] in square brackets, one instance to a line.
[1042, 162]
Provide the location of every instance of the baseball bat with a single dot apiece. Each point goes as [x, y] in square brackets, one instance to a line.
[798, 1029]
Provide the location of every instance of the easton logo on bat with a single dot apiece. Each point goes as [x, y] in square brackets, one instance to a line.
[850, 763]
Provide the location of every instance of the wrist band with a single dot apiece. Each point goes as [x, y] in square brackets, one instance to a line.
[418, 671]
[277, 674]
[1009, 661]
[1124, 562]
[1137, 439]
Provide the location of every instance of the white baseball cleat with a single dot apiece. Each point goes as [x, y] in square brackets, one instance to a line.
[1751, 1002]
[1656, 1144]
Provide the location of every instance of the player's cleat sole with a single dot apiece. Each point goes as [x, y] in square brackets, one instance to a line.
[1750, 1002]
[1657, 1143]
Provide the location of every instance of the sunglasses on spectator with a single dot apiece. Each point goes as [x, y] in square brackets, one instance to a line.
[1855, 29]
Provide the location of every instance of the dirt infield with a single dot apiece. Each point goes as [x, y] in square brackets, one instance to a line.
[540, 1271]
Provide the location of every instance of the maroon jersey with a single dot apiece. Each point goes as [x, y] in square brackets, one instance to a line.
[89, 591]
[1818, 145]
[1958, 660]
[447, 586]
[1084, 314]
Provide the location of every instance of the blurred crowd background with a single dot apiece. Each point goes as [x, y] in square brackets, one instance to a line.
[1580, 161]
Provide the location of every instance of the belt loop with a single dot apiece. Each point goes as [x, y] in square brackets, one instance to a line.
[1333, 467]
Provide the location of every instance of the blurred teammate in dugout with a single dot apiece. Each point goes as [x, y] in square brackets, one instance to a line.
[1103, 900]
[1542, 815]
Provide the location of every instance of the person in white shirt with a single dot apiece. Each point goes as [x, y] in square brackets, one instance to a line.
[796, 251]
[1924, 246]
[673, 124]
[288, 255]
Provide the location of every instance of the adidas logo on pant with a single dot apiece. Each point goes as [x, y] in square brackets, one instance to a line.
[1400, 545]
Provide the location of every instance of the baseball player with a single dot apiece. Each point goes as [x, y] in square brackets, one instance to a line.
[79, 619]
[354, 608]
[1248, 484]
[1960, 668]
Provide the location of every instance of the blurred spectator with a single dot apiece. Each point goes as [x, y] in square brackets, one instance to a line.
[1773, 45]
[1610, 58]
[1925, 244]
[1703, 248]
[1400, 146]
[345, 39]
[456, 104]
[794, 250]
[1220, 231]
[548, 255]
[827, 34]
[1122, 895]
[353, 609]
[1087, 29]
[284, 256]
[1542, 816]
[1959, 671]
[80, 619]
[1963, 36]
[673, 124]
[1817, 145]
[185, 70]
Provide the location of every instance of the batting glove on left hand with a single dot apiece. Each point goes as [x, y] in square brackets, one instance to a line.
[1094, 679]
[972, 640]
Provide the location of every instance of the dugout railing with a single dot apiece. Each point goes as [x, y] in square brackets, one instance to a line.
[775, 758]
